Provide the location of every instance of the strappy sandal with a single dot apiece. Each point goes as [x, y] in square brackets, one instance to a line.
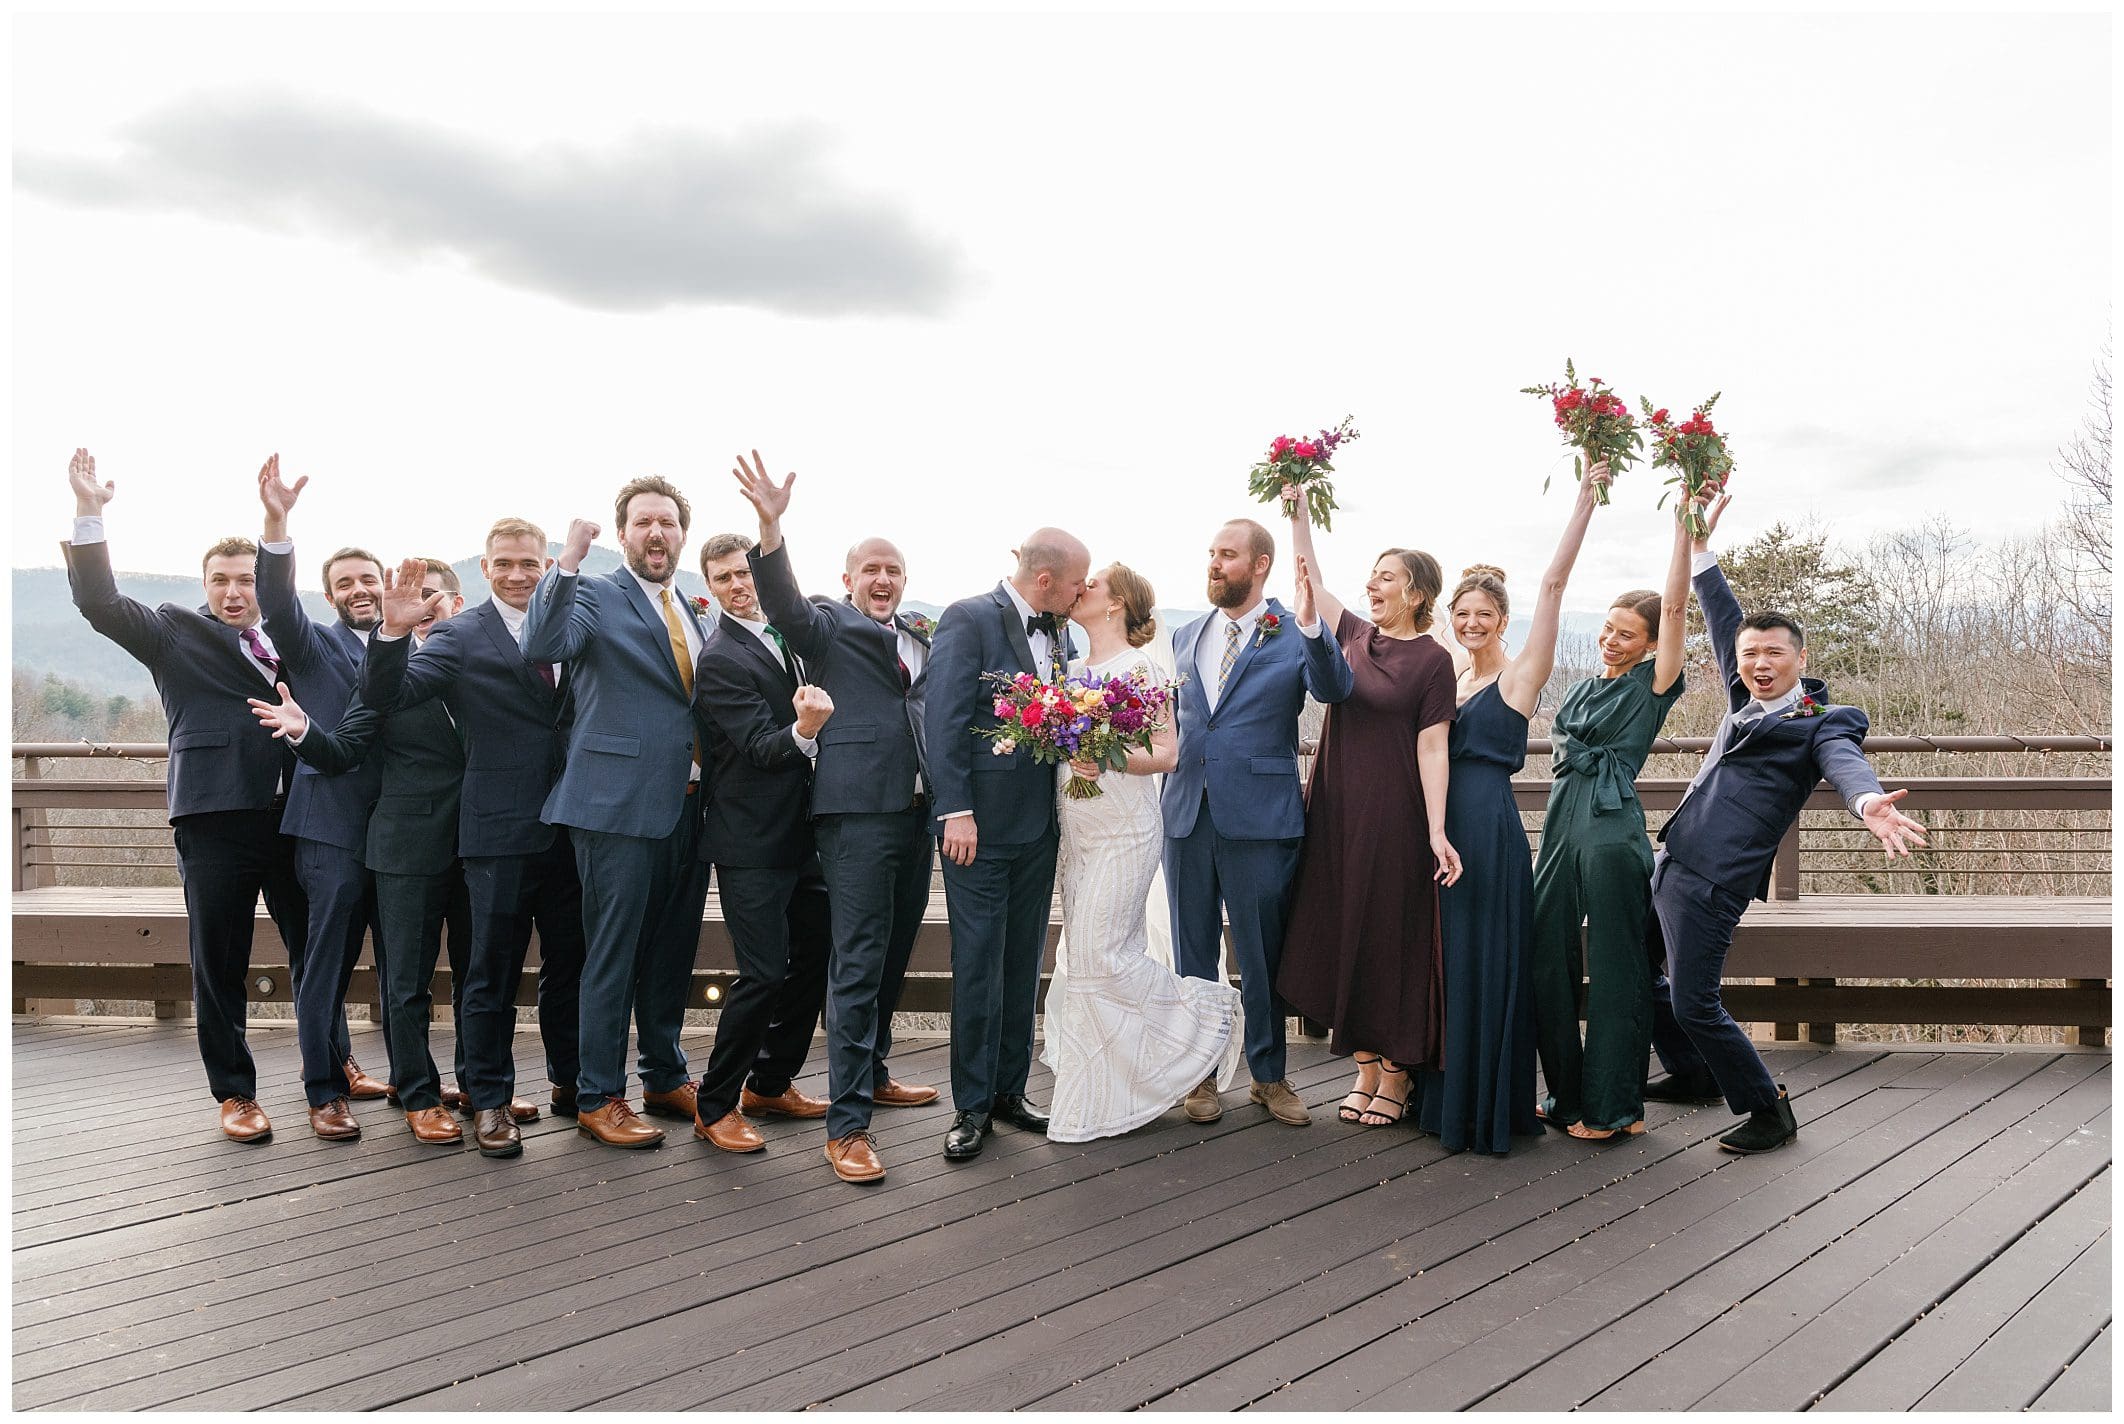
[1605, 1134]
[1349, 1111]
[1372, 1116]
[1545, 1114]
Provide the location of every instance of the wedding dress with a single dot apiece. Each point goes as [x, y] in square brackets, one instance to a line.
[1127, 1038]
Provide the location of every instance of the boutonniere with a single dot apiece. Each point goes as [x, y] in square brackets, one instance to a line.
[1805, 707]
[700, 607]
[927, 627]
[1268, 628]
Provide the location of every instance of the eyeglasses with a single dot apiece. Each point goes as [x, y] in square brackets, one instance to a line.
[429, 592]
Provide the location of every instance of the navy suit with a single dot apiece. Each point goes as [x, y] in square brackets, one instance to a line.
[999, 904]
[871, 825]
[1716, 853]
[757, 834]
[329, 817]
[1234, 813]
[634, 818]
[519, 871]
[225, 774]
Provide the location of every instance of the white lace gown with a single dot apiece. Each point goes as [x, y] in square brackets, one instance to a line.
[1127, 1038]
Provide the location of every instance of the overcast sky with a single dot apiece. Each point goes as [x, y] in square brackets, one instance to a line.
[970, 274]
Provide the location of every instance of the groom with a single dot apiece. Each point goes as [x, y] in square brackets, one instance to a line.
[1234, 819]
[996, 815]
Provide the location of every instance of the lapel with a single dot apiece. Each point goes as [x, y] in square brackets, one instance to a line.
[1014, 629]
[509, 650]
[901, 620]
[1253, 645]
[653, 618]
[230, 641]
[349, 642]
[753, 649]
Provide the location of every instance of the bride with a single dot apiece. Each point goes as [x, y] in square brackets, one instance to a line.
[1127, 1038]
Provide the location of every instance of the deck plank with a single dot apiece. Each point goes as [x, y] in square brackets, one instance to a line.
[2039, 1344]
[2085, 1385]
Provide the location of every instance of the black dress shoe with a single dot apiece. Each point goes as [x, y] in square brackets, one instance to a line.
[1765, 1129]
[1013, 1109]
[964, 1139]
[1684, 1088]
[564, 1101]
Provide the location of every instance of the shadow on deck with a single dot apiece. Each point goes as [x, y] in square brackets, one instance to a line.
[1939, 1234]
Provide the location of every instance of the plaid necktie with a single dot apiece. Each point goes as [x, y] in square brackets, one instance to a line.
[1231, 654]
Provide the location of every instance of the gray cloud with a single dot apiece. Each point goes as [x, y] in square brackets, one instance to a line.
[666, 218]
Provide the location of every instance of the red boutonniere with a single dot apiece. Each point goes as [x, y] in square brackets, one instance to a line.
[1805, 707]
[1268, 628]
[927, 627]
[700, 607]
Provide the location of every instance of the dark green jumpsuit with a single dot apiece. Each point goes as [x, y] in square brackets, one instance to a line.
[1595, 870]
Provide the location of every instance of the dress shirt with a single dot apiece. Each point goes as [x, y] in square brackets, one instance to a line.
[655, 593]
[514, 619]
[1209, 647]
[1043, 643]
[809, 746]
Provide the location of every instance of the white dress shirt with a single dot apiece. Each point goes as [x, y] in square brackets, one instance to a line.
[1209, 646]
[1043, 643]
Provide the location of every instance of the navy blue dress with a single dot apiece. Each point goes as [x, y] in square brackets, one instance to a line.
[1483, 1093]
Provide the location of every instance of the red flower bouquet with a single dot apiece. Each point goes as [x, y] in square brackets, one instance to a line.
[1697, 454]
[1306, 463]
[1595, 422]
[1094, 719]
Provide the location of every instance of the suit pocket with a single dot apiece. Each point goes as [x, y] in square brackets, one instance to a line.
[831, 735]
[1273, 765]
[195, 741]
[609, 744]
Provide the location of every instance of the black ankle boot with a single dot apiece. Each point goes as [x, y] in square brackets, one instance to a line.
[1765, 1129]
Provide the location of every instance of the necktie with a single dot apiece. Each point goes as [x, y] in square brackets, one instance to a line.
[1231, 654]
[788, 658]
[255, 646]
[678, 641]
[1730, 733]
[545, 675]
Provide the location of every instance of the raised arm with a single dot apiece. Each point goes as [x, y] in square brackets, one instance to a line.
[1673, 612]
[561, 621]
[808, 627]
[1302, 548]
[341, 749]
[1524, 676]
[130, 624]
[1327, 671]
[1722, 611]
[287, 623]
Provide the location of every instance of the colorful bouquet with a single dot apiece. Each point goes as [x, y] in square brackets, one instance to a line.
[1093, 718]
[1697, 454]
[1595, 421]
[1293, 460]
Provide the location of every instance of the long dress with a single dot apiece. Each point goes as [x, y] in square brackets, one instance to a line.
[1127, 1038]
[1484, 1094]
[1361, 952]
[1595, 871]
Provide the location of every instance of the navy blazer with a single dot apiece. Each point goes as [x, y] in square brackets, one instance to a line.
[320, 666]
[1245, 756]
[744, 702]
[1012, 797]
[513, 726]
[871, 750]
[1727, 828]
[630, 750]
[413, 830]
[221, 757]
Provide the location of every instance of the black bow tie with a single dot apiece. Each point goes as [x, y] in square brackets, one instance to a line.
[1040, 623]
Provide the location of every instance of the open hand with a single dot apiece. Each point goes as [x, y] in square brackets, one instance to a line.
[405, 607]
[276, 494]
[286, 719]
[89, 497]
[1895, 831]
[580, 533]
[769, 498]
[1448, 859]
[813, 708]
[1304, 602]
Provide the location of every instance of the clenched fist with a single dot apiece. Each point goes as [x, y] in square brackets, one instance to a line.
[580, 533]
[813, 707]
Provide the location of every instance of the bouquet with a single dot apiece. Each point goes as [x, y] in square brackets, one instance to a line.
[1304, 463]
[1595, 421]
[1092, 718]
[1697, 454]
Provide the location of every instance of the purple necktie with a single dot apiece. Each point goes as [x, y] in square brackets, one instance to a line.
[255, 646]
[545, 672]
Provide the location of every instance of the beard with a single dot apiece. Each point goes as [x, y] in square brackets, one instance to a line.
[638, 560]
[1227, 594]
[361, 622]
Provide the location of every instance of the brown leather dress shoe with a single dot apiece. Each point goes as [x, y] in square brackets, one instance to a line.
[361, 1085]
[435, 1126]
[455, 1099]
[731, 1133]
[523, 1111]
[334, 1122]
[496, 1134]
[892, 1093]
[242, 1120]
[616, 1125]
[787, 1103]
[682, 1101]
[854, 1159]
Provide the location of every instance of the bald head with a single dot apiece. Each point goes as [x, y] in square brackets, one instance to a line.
[1052, 566]
[876, 576]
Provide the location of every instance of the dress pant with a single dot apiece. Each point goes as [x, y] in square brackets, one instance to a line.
[416, 915]
[342, 898]
[226, 859]
[1696, 919]
[1591, 906]
[781, 933]
[999, 908]
[1252, 882]
[642, 902]
[876, 867]
[509, 894]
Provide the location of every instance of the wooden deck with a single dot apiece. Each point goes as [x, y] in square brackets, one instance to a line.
[1938, 1237]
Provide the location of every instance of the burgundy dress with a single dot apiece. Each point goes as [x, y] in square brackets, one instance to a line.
[1361, 952]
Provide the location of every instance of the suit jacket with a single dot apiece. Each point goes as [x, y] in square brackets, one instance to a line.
[1012, 797]
[1245, 755]
[512, 725]
[871, 751]
[320, 666]
[221, 758]
[413, 830]
[1728, 826]
[744, 702]
[630, 750]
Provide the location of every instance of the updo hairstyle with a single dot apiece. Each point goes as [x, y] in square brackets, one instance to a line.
[1644, 602]
[1138, 603]
[1489, 581]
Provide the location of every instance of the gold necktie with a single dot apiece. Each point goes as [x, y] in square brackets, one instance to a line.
[678, 641]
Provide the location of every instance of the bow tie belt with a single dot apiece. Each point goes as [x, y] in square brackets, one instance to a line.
[1614, 779]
